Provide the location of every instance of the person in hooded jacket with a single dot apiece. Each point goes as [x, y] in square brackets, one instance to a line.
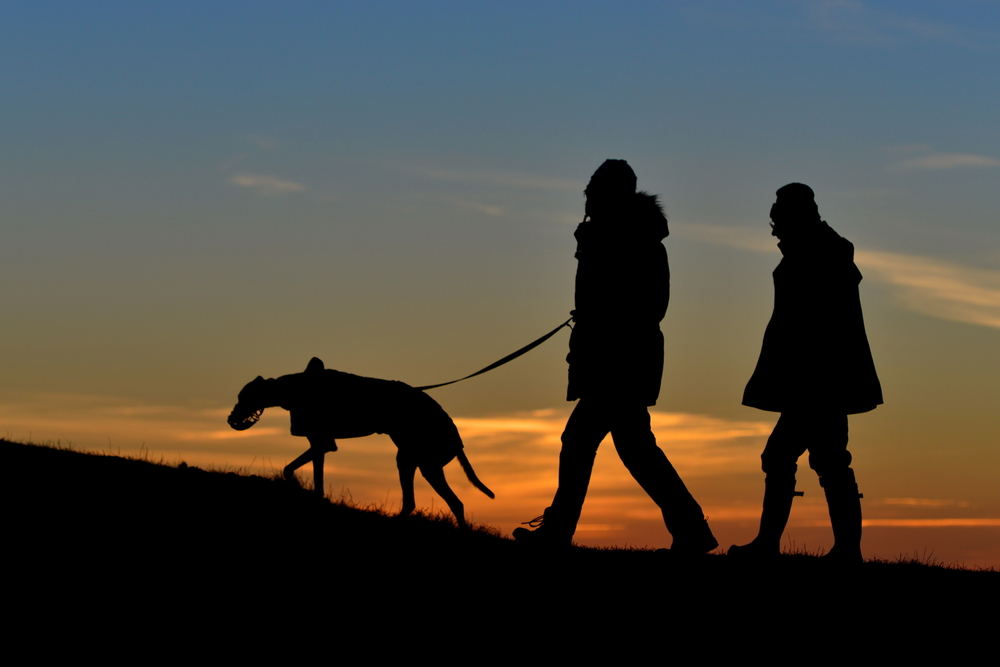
[616, 361]
[815, 368]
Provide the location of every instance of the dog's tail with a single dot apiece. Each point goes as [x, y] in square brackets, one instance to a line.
[471, 474]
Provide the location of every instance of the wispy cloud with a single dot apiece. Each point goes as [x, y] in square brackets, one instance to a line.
[868, 24]
[937, 288]
[468, 204]
[932, 287]
[925, 502]
[939, 161]
[757, 239]
[854, 21]
[266, 185]
[263, 142]
[699, 444]
[505, 179]
[96, 422]
[929, 523]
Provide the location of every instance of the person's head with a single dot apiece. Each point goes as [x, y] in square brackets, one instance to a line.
[613, 182]
[795, 211]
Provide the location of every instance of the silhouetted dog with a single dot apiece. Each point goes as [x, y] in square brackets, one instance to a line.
[326, 405]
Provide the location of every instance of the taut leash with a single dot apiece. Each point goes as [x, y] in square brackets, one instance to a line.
[509, 357]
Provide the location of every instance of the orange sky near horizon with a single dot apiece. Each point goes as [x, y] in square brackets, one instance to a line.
[516, 455]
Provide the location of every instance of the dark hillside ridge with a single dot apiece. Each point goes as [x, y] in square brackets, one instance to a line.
[105, 502]
[74, 518]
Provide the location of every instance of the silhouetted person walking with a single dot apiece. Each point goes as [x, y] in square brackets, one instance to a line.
[616, 361]
[815, 368]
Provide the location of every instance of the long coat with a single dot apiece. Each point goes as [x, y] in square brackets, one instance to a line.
[622, 291]
[815, 354]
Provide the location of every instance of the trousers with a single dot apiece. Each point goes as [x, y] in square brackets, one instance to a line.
[823, 434]
[629, 426]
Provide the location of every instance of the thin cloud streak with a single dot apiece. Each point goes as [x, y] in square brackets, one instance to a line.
[932, 287]
[853, 21]
[911, 523]
[925, 502]
[930, 523]
[479, 207]
[505, 179]
[529, 443]
[269, 186]
[937, 288]
[101, 424]
[942, 161]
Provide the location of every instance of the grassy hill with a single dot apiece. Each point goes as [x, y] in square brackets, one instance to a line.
[109, 526]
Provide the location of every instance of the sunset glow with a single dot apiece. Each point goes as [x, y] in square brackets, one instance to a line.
[198, 194]
[516, 455]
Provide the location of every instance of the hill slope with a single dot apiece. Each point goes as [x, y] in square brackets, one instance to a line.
[110, 523]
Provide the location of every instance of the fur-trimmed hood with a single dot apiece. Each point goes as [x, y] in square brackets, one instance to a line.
[639, 219]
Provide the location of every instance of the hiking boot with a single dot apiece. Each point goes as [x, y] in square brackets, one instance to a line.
[696, 540]
[844, 502]
[842, 558]
[544, 535]
[754, 551]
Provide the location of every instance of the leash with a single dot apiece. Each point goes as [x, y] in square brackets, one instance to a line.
[509, 357]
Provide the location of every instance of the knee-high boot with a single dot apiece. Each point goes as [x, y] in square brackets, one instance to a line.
[778, 494]
[844, 502]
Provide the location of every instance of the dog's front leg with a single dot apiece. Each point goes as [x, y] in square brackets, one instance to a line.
[320, 446]
[306, 457]
[407, 469]
[318, 472]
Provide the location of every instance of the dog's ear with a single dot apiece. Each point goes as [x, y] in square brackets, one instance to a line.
[315, 364]
[249, 391]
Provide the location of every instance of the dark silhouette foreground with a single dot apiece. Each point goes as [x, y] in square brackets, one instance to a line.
[815, 368]
[117, 538]
[128, 553]
[616, 361]
[327, 405]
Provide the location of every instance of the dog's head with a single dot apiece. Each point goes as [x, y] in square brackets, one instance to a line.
[249, 405]
[260, 394]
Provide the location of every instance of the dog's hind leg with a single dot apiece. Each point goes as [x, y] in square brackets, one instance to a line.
[435, 477]
[407, 469]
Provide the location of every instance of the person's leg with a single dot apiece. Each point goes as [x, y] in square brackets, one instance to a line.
[786, 444]
[647, 463]
[584, 431]
[829, 457]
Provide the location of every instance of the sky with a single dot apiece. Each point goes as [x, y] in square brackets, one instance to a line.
[194, 194]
